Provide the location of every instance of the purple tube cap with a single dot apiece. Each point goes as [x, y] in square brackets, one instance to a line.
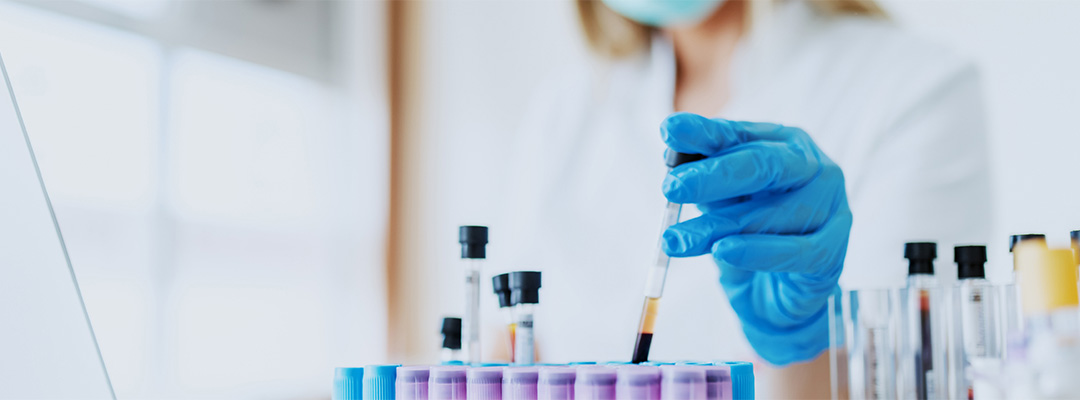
[446, 374]
[521, 375]
[596, 375]
[682, 382]
[683, 374]
[413, 374]
[557, 376]
[638, 375]
[485, 375]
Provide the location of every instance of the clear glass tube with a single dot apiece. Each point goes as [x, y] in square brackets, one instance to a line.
[654, 287]
[511, 329]
[449, 355]
[977, 330]
[869, 318]
[654, 284]
[923, 358]
[470, 323]
[1012, 318]
[524, 340]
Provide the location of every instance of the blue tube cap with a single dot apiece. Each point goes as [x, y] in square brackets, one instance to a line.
[348, 384]
[379, 381]
[742, 380]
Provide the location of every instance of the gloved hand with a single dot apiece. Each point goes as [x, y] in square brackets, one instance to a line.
[776, 220]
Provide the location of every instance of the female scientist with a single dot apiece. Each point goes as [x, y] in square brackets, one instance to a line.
[861, 137]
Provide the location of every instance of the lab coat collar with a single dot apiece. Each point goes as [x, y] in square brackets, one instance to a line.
[761, 54]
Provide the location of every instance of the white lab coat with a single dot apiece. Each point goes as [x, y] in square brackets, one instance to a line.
[901, 116]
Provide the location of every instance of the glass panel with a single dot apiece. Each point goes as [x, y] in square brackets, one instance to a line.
[47, 346]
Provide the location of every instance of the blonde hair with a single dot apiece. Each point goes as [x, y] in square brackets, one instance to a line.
[613, 35]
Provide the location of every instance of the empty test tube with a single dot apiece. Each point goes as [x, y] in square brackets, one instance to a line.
[977, 311]
[484, 383]
[412, 383]
[348, 384]
[447, 383]
[595, 382]
[654, 282]
[556, 383]
[500, 284]
[682, 382]
[525, 295]
[871, 346]
[473, 240]
[519, 383]
[638, 382]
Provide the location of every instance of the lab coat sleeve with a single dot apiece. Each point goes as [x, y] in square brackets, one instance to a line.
[926, 178]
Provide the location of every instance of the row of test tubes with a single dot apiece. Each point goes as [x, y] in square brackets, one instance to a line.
[518, 294]
[932, 341]
[731, 380]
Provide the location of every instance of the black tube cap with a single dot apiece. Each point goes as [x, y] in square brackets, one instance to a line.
[674, 159]
[970, 261]
[920, 257]
[1014, 239]
[473, 240]
[501, 284]
[451, 330]
[525, 287]
[1074, 235]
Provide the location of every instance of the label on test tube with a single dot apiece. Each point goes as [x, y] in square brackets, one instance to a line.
[523, 340]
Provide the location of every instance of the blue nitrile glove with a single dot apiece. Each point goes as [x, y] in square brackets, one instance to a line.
[776, 220]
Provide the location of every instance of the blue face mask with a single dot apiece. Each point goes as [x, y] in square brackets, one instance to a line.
[664, 12]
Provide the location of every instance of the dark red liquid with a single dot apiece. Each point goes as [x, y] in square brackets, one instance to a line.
[641, 348]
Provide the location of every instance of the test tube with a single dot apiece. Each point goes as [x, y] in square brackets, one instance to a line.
[556, 383]
[1052, 315]
[348, 384]
[447, 383]
[868, 315]
[519, 383]
[1074, 243]
[924, 351]
[977, 311]
[1013, 320]
[451, 344]
[637, 382]
[412, 383]
[525, 295]
[682, 382]
[654, 282]
[473, 241]
[379, 381]
[595, 382]
[484, 383]
[501, 285]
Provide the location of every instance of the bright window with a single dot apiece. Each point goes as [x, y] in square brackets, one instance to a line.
[224, 217]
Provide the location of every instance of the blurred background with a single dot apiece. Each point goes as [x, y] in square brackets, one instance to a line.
[256, 191]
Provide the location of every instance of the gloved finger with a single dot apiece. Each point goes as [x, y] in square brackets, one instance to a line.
[746, 169]
[788, 213]
[692, 133]
[695, 237]
[820, 253]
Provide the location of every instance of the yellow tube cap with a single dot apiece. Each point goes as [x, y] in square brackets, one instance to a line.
[1047, 279]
